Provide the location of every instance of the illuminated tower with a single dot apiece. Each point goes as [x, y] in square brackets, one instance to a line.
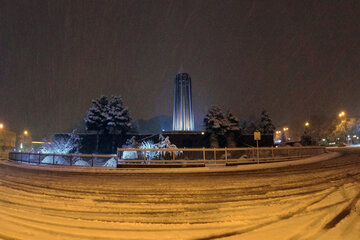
[183, 118]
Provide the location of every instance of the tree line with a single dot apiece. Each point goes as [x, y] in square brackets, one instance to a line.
[110, 116]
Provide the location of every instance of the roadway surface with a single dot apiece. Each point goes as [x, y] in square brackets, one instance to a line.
[313, 201]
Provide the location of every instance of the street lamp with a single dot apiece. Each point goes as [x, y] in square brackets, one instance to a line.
[286, 132]
[1, 126]
[278, 134]
[342, 114]
[307, 124]
[26, 133]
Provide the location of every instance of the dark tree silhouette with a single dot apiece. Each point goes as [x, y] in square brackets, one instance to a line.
[108, 116]
[266, 125]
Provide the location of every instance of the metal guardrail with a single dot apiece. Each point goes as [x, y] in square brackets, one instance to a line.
[170, 157]
[211, 156]
[64, 159]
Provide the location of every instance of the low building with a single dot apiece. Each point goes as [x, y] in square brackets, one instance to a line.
[7, 142]
[182, 139]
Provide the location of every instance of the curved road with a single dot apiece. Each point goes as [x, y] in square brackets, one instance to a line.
[313, 201]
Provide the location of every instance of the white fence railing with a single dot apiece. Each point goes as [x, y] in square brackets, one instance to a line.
[211, 156]
[93, 160]
[174, 157]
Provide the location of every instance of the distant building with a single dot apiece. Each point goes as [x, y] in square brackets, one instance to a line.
[183, 118]
[7, 142]
[24, 142]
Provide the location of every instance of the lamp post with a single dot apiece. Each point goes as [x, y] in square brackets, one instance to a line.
[24, 144]
[277, 135]
[1, 126]
[341, 116]
[286, 132]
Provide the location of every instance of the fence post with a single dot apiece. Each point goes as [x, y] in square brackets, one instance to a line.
[29, 158]
[53, 158]
[204, 155]
[215, 155]
[70, 160]
[272, 152]
[257, 151]
[173, 152]
[117, 158]
[39, 159]
[92, 160]
[225, 155]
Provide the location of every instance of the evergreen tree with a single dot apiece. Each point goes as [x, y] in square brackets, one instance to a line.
[306, 138]
[250, 127]
[266, 125]
[234, 122]
[118, 118]
[216, 124]
[96, 118]
[233, 126]
[109, 116]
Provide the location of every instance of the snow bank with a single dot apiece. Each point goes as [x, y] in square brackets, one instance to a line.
[110, 163]
[57, 160]
[81, 163]
[129, 155]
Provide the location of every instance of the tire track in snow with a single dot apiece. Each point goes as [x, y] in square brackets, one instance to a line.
[203, 206]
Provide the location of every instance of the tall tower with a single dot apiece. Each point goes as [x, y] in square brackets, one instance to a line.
[183, 118]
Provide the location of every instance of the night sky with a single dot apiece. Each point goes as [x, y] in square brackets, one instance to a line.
[293, 58]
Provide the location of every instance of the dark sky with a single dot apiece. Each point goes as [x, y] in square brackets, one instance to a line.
[293, 58]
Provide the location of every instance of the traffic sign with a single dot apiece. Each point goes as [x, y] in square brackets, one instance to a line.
[257, 136]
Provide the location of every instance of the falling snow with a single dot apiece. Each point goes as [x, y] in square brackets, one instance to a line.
[58, 55]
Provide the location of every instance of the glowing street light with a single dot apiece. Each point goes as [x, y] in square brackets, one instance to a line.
[1, 126]
[26, 133]
[342, 114]
[307, 124]
[286, 132]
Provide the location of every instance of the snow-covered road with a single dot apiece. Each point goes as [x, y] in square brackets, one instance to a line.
[319, 200]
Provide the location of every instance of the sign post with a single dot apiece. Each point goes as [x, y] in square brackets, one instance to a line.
[257, 138]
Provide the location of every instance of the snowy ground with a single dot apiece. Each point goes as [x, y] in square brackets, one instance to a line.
[317, 200]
